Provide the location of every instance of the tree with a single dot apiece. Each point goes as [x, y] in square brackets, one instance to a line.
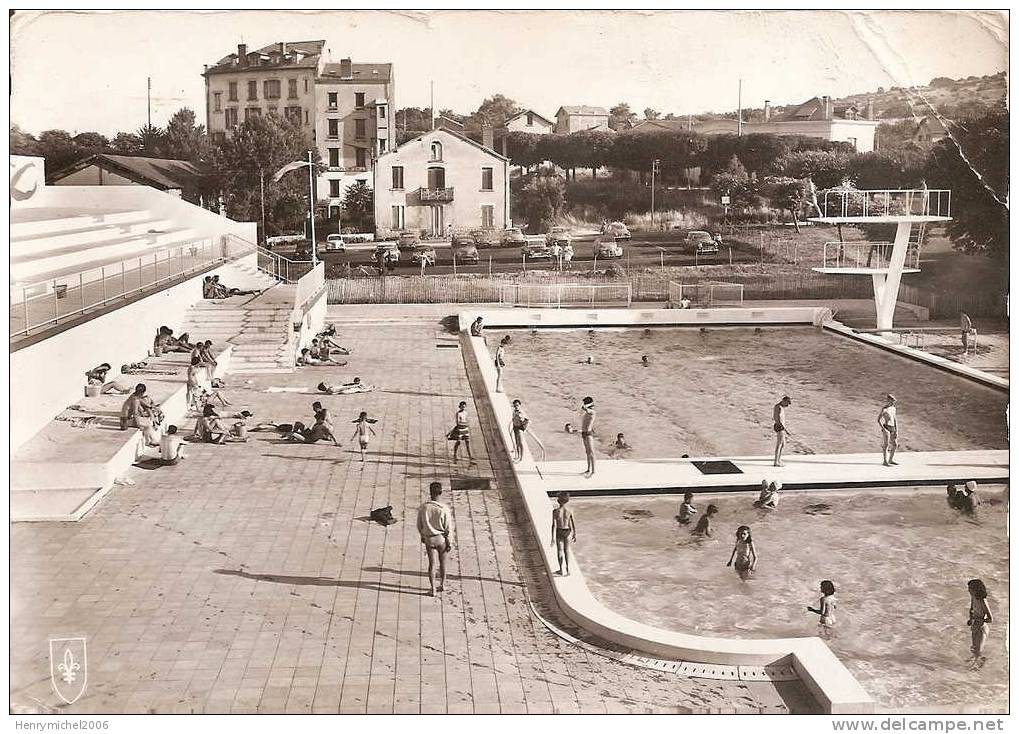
[979, 183]
[741, 187]
[789, 194]
[651, 114]
[542, 200]
[621, 117]
[151, 139]
[591, 148]
[23, 143]
[411, 122]
[184, 140]
[58, 148]
[359, 206]
[495, 111]
[826, 168]
[126, 144]
[90, 143]
[522, 148]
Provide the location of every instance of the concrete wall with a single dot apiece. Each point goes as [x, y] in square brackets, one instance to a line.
[50, 375]
[462, 163]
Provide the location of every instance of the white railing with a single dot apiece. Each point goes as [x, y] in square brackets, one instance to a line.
[46, 302]
[705, 294]
[885, 203]
[866, 255]
[560, 295]
[282, 268]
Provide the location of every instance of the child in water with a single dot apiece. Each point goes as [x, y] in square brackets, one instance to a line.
[687, 510]
[979, 618]
[703, 527]
[826, 610]
[744, 553]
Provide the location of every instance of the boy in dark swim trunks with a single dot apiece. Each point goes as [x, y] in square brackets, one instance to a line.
[587, 433]
[564, 532]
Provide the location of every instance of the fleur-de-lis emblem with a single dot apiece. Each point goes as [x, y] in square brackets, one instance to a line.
[69, 668]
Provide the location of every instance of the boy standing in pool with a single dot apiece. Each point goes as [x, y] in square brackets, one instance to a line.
[687, 509]
[781, 432]
[888, 420]
[744, 553]
[979, 618]
[564, 532]
[587, 433]
[826, 610]
[703, 527]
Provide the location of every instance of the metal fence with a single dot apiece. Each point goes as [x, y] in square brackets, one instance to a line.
[885, 202]
[282, 268]
[563, 295]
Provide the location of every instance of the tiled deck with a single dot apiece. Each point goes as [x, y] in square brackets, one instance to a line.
[247, 579]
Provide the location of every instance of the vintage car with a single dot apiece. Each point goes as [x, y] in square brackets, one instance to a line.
[607, 247]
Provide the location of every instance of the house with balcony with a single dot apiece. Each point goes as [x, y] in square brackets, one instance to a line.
[345, 109]
[440, 182]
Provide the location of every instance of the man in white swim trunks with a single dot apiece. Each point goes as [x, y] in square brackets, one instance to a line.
[888, 420]
[781, 432]
[434, 527]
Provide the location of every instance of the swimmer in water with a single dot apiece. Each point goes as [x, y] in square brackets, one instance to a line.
[645, 360]
[703, 527]
[744, 553]
[569, 428]
[687, 509]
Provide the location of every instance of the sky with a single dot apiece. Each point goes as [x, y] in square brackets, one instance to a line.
[83, 71]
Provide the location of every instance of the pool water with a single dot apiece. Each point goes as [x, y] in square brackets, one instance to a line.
[899, 560]
[712, 393]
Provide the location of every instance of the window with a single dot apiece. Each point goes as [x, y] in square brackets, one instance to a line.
[306, 118]
[359, 100]
[291, 89]
[382, 145]
[487, 216]
[271, 89]
[334, 187]
[361, 158]
[334, 128]
[334, 157]
[530, 119]
[305, 86]
[359, 129]
[486, 179]
[397, 177]
[294, 115]
[252, 90]
[852, 142]
[382, 113]
[251, 113]
[436, 151]
[231, 117]
[219, 137]
[217, 101]
[332, 100]
[233, 92]
[399, 217]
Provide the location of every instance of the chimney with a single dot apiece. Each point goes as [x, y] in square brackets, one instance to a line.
[488, 135]
[346, 70]
[870, 108]
[767, 110]
[242, 54]
[283, 48]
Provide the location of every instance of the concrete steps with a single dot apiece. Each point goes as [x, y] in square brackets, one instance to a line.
[40, 221]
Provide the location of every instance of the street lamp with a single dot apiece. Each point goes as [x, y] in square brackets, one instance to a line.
[656, 167]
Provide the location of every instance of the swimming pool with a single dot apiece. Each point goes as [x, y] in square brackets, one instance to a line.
[711, 393]
[899, 560]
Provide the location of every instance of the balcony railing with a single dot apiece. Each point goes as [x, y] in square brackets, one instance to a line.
[885, 203]
[866, 255]
[441, 195]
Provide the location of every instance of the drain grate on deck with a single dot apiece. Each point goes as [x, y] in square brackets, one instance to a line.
[447, 346]
[470, 483]
[717, 467]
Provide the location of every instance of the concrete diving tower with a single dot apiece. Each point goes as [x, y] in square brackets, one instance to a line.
[909, 209]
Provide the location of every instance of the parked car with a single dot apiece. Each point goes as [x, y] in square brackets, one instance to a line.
[536, 248]
[390, 251]
[607, 247]
[487, 238]
[513, 237]
[423, 254]
[407, 240]
[466, 254]
[617, 230]
[559, 236]
[335, 243]
[702, 242]
[462, 238]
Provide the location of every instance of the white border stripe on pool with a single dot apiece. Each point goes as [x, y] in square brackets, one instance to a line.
[830, 682]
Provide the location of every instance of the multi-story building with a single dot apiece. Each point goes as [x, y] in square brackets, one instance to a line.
[346, 109]
[574, 118]
[441, 181]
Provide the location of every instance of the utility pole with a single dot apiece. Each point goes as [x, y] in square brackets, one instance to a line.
[656, 165]
[261, 195]
[148, 99]
[739, 110]
[431, 104]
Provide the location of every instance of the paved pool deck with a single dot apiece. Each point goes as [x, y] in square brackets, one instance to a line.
[247, 579]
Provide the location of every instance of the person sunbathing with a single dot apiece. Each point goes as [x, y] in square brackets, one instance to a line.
[308, 358]
[323, 352]
[326, 337]
[223, 291]
[347, 388]
[210, 427]
[97, 376]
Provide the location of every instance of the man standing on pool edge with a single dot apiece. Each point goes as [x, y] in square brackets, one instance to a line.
[888, 420]
[587, 433]
[781, 433]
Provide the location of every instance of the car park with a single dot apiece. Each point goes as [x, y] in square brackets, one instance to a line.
[407, 240]
[389, 250]
[335, 243]
[701, 242]
[465, 254]
[559, 236]
[513, 237]
[423, 254]
[616, 229]
[487, 238]
[607, 247]
[536, 248]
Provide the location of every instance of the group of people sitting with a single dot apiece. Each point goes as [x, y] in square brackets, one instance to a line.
[321, 430]
[768, 498]
[322, 349]
[165, 342]
[212, 288]
[96, 380]
[964, 500]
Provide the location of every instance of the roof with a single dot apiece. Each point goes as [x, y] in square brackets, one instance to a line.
[308, 56]
[160, 173]
[673, 124]
[524, 112]
[445, 131]
[359, 72]
[582, 109]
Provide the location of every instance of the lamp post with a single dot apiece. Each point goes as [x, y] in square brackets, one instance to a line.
[656, 167]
